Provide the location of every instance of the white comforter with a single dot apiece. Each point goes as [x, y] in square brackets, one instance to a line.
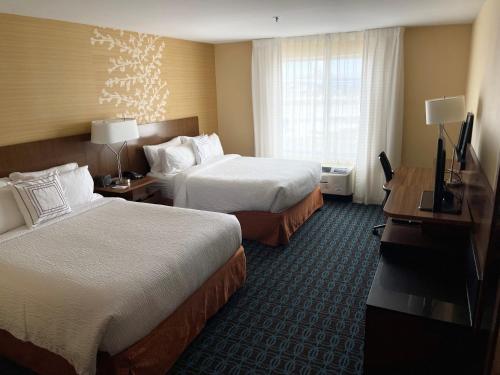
[106, 275]
[233, 183]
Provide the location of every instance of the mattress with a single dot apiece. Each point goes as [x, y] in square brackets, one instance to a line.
[165, 181]
[107, 274]
[232, 183]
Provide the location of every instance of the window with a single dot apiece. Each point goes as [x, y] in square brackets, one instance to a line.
[321, 109]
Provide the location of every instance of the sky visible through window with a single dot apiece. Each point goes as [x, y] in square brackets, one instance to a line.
[321, 109]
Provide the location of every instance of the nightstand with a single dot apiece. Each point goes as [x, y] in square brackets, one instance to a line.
[143, 190]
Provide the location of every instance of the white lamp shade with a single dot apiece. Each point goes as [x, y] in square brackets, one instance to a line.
[445, 110]
[114, 131]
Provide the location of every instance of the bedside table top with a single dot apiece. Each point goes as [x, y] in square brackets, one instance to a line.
[135, 184]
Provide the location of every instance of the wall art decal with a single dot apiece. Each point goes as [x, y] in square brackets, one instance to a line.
[135, 76]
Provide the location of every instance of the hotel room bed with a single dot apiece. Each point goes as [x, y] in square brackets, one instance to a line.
[130, 281]
[270, 197]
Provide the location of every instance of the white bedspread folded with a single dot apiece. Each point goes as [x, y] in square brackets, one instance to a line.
[105, 276]
[233, 183]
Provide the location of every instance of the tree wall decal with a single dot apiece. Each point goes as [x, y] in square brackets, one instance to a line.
[135, 76]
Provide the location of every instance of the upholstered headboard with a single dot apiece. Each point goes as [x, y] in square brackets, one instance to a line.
[44, 154]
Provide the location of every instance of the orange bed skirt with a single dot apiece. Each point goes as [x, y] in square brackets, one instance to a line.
[275, 229]
[155, 353]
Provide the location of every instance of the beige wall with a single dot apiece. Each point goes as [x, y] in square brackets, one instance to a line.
[233, 64]
[483, 92]
[436, 65]
[52, 77]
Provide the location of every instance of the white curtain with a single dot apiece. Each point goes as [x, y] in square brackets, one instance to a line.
[334, 98]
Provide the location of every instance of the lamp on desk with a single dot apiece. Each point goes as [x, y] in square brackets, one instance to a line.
[443, 111]
[113, 131]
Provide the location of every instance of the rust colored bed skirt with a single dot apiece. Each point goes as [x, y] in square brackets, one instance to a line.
[158, 351]
[276, 228]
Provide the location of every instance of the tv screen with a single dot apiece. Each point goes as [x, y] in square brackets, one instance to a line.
[466, 139]
[461, 138]
[439, 187]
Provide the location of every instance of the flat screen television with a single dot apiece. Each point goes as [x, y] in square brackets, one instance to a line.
[464, 139]
[440, 199]
[439, 183]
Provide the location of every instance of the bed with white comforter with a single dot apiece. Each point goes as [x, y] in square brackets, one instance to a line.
[232, 183]
[104, 276]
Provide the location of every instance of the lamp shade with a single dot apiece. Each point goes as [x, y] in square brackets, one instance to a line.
[114, 131]
[445, 110]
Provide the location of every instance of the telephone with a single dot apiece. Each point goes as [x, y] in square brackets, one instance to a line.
[132, 175]
[103, 181]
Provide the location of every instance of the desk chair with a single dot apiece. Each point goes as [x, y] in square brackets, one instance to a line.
[388, 172]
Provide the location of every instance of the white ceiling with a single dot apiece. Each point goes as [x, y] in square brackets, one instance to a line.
[220, 21]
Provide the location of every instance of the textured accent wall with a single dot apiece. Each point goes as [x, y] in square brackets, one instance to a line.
[57, 76]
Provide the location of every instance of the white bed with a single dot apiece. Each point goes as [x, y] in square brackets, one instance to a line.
[232, 183]
[107, 274]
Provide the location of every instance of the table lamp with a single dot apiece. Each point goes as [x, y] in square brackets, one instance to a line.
[443, 111]
[113, 131]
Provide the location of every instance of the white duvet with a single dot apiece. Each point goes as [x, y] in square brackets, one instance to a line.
[104, 276]
[233, 183]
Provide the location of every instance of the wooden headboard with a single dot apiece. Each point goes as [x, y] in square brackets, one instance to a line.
[39, 155]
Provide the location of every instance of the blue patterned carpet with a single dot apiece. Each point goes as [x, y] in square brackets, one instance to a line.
[302, 308]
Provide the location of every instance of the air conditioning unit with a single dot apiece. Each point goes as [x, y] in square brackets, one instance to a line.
[337, 180]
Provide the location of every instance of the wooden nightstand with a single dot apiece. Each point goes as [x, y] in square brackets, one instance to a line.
[143, 190]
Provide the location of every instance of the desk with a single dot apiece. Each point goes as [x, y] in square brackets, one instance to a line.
[418, 317]
[406, 189]
[428, 290]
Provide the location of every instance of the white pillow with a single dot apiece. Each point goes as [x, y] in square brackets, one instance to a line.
[216, 145]
[185, 138]
[40, 199]
[151, 152]
[78, 186]
[202, 148]
[199, 145]
[178, 158]
[4, 181]
[10, 216]
[16, 176]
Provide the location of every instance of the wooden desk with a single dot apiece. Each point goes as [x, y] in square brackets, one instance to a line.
[406, 189]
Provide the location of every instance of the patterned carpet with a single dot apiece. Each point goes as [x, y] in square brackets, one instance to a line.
[302, 308]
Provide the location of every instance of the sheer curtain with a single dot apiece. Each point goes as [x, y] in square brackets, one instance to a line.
[332, 98]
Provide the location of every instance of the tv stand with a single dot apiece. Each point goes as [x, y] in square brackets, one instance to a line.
[418, 317]
[449, 205]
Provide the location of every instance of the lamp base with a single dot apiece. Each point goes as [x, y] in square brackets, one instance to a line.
[122, 182]
[454, 179]
[454, 183]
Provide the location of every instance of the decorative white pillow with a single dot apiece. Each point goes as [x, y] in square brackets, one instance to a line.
[10, 216]
[178, 158]
[216, 145]
[78, 186]
[4, 181]
[40, 199]
[17, 176]
[202, 148]
[151, 152]
[185, 138]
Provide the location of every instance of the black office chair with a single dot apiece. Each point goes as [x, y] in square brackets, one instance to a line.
[388, 172]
